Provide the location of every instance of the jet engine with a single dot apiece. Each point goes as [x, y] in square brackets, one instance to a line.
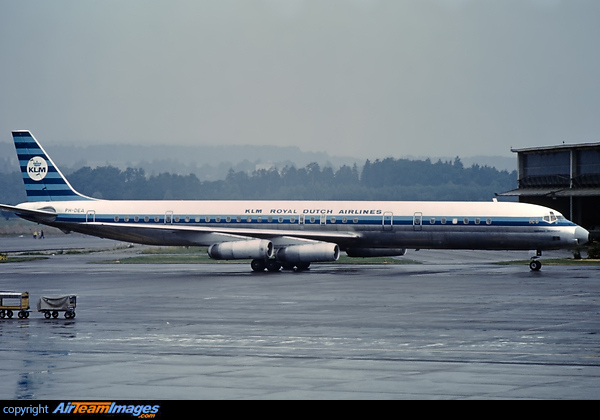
[375, 252]
[237, 250]
[318, 252]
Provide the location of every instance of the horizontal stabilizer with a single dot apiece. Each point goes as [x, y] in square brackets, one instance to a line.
[47, 215]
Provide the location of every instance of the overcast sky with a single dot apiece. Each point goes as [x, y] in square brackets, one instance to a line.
[362, 78]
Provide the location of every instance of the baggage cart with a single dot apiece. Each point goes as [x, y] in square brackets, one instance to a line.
[51, 306]
[12, 301]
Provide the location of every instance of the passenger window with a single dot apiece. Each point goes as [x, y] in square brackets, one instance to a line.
[443, 220]
[432, 221]
[488, 221]
[477, 220]
[465, 221]
[454, 221]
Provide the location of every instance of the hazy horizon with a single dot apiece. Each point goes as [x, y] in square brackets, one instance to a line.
[357, 78]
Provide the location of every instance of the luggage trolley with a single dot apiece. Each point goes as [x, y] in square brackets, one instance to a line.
[12, 301]
[51, 306]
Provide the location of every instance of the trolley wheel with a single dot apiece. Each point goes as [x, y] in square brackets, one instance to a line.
[2, 313]
[22, 314]
[70, 314]
[9, 313]
[47, 315]
[54, 314]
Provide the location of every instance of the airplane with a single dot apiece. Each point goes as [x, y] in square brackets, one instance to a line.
[288, 234]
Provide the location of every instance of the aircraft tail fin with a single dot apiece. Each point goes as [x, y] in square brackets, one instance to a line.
[43, 180]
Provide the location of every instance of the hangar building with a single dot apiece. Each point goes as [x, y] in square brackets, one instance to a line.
[563, 177]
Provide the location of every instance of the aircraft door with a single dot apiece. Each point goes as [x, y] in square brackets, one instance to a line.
[418, 221]
[388, 220]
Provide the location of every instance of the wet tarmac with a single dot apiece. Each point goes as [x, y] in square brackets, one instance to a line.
[454, 327]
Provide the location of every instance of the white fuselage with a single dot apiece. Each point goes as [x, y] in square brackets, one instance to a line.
[350, 224]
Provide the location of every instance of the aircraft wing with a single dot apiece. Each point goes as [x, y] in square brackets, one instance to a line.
[200, 235]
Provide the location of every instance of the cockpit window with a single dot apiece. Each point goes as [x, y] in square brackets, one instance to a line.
[550, 218]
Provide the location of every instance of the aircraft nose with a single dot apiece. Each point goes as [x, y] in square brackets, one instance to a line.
[582, 236]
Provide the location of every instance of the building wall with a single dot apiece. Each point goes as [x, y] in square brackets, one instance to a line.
[566, 178]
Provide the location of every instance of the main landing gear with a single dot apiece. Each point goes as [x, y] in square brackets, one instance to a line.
[273, 266]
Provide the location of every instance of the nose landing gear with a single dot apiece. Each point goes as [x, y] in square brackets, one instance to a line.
[535, 265]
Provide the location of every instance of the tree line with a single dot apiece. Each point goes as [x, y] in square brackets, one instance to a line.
[387, 179]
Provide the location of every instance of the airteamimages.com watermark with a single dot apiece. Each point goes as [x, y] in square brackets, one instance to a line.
[137, 410]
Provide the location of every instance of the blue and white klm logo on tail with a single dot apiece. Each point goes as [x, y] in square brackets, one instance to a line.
[43, 181]
[37, 168]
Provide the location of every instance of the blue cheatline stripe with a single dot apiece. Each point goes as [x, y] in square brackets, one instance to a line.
[53, 186]
[400, 222]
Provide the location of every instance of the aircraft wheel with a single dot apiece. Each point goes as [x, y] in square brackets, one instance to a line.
[302, 266]
[535, 265]
[258, 265]
[273, 266]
